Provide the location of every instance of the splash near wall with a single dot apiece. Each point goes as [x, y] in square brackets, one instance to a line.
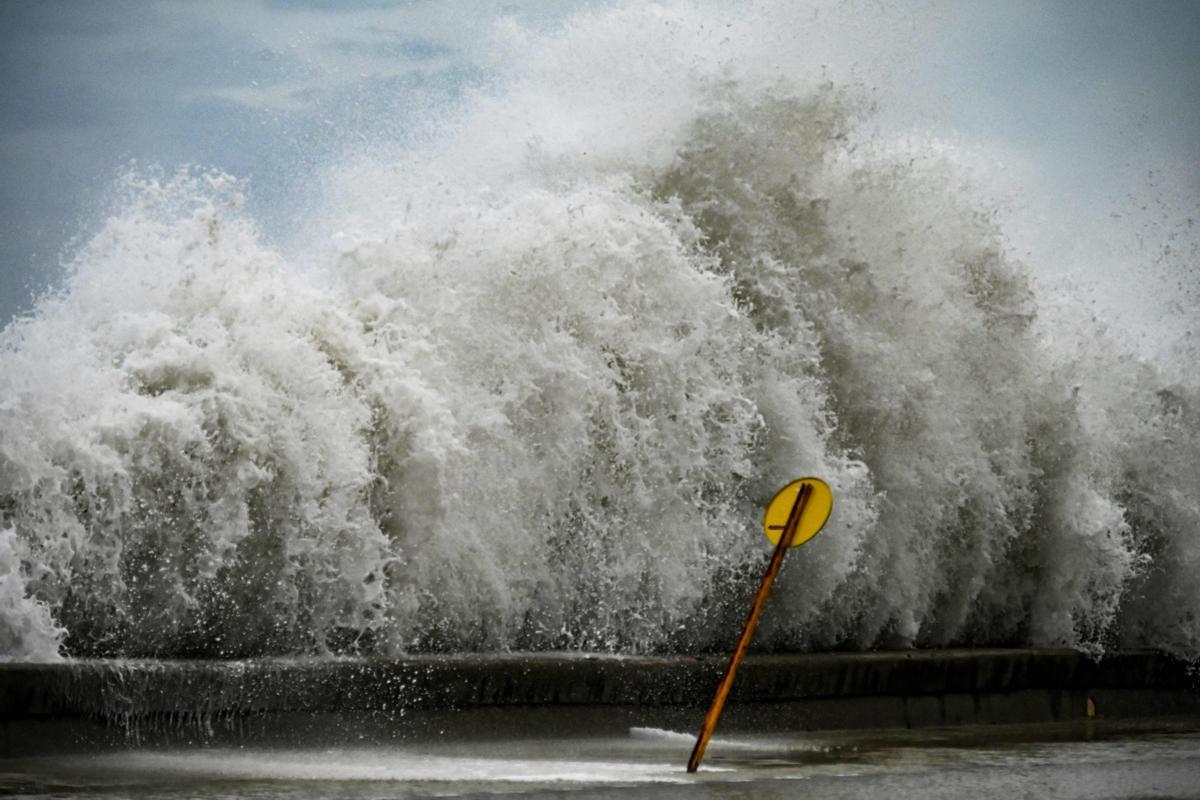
[536, 379]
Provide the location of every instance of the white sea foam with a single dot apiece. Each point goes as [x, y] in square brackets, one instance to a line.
[373, 764]
[27, 628]
[538, 375]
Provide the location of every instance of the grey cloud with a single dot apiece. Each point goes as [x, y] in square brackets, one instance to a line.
[394, 45]
[341, 6]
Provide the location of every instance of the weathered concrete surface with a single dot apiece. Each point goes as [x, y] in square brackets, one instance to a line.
[833, 690]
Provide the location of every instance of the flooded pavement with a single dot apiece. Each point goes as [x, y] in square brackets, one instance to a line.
[1084, 760]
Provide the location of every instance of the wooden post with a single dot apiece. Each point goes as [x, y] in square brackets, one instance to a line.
[714, 711]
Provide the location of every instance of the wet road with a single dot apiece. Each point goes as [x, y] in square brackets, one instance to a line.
[1088, 760]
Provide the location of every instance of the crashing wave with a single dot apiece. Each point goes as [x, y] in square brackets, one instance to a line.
[536, 391]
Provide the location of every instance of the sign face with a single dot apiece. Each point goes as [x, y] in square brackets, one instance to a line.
[816, 511]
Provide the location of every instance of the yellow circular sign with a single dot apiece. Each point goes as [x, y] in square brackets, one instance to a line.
[812, 519]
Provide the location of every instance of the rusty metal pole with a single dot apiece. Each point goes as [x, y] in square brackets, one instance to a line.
[714, 711]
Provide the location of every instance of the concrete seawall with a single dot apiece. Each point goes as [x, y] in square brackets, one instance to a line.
[833, 690]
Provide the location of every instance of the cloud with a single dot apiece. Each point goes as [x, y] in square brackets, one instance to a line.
[343, 7]
[317, 51]
[392, 45]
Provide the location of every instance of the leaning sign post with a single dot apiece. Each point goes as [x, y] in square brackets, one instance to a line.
[796, 514]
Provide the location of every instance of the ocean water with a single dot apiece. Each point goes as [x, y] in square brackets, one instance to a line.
[528, 380]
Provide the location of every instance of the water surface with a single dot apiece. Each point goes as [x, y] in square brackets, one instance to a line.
[1064, 761]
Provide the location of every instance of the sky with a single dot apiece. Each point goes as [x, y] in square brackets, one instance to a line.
[1096, 104]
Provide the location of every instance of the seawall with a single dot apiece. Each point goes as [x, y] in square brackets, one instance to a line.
[102, 699]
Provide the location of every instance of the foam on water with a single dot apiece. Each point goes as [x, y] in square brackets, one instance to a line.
[387, 765]
[529, 383]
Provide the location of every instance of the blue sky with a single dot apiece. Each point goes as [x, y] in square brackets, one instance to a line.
[1099, 100]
